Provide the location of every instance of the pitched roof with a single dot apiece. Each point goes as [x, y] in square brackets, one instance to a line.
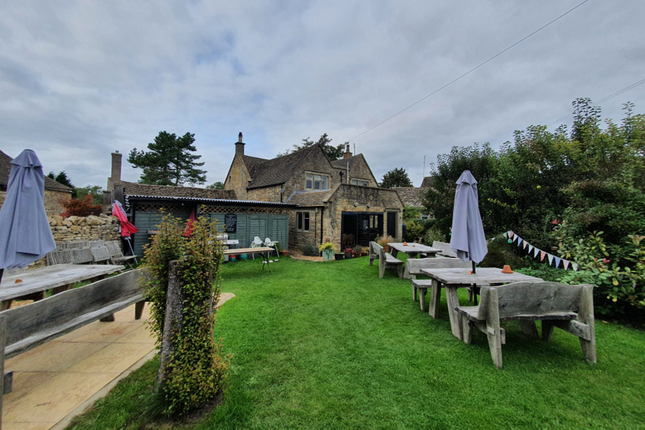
[341, 163]
[5, 170]
[428, 182]
[132, 188]
[311, 198]
[278, 170]
[411, 196]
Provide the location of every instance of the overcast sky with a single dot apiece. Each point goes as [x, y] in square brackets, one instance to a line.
[81, 79]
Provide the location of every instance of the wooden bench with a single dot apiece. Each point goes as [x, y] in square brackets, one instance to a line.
[116, 255]
[420, 286]
[445, 248]
[568, 307]
[25, 327]
[386, 261]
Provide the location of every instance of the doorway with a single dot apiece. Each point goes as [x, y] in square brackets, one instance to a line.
[359, 228]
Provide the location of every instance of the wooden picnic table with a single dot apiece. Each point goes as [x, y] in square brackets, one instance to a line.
[264, 250]
[33, 284]
[413, 249]
[452, 279]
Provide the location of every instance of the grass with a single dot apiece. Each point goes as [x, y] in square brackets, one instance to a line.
[332, 346]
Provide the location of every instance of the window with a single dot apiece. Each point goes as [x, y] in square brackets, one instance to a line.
[361, 182]
[303, 221]
[316, 182]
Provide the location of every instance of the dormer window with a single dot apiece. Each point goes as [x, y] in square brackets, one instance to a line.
[316, 182]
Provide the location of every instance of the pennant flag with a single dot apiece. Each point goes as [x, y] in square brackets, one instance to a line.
[575, 266]
[536, 252]
[542, 255]
[525, 243]
[515, 237]
[531, 248]
[550, 259]
[505, 235]
[557, 262]
[511, 234]
[565, 263]
[519, 241]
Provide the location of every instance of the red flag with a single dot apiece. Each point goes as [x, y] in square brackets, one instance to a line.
[189, 224]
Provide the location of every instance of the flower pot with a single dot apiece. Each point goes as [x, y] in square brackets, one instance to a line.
[339, 256]
[357, 254]
[284, 253]
[348, 255]
[328, 254]
[387, 248]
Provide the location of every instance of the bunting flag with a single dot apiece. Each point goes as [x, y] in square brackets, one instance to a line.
[519, 241]
[542, 255]
[536, 252]
[525, 243]
[513, 237]
[550, 259]
[531, 248]
[511, 234]
[565, 264]
[575, 266]
[557, 262]
[505, 235]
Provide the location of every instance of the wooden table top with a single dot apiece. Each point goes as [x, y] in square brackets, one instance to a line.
[414, 247]
[45, 278]
[248, 250]
[484, 276]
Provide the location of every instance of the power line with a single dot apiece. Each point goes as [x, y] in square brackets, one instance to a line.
[602, 100]
[471, 70]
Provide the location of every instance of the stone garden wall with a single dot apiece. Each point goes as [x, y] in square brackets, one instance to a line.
[102, 227]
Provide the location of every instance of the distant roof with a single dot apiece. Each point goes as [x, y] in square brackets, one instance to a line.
[5, 170]
[133, 188]
[134, 197]
[428, 182]
[276, 171]
[341, 163]
[410, 196]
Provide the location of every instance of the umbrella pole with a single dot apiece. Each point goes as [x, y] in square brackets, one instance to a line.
[1, 273]
[474, 286]
[132, 250]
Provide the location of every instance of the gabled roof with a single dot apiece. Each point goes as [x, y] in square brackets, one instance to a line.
[132, 188]
[342, 163]
[411, 196]
[5, 170]
[278, 170]
[428, 182]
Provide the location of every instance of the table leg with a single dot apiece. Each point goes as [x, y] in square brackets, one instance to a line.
[61, 289]
[435, 298]
[394, 252]
[422, 298]
[453, 301]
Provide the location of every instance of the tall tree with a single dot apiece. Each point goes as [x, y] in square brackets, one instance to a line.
[216, 186]
[396, 178]
[61, 178]
[332, 152]
[169, 161]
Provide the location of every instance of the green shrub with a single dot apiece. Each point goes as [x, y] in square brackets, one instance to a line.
[433, 234]
[195, 370]
[501, 253]
[414, 231]
[309, 250]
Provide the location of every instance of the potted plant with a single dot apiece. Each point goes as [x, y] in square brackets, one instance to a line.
[357, 251]
[339, 256]
[327, 250]
[349, 252]
[385, 242]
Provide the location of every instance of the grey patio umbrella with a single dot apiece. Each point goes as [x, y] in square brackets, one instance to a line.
[25, 235]
[468, 239]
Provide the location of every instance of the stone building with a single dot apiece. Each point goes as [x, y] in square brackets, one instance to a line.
[336, 200]
[54, 191]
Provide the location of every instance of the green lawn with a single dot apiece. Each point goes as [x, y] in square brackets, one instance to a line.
[332, 346]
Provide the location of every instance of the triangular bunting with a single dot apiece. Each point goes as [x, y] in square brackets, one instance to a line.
[542, 255]
[519, 241]
[505, 235]
[550, 259]
[557, 262]
[515, 238]
[531, 248]
[525, 243]
[511, 234]
[566, 263]
[536, 252]
[575, 266]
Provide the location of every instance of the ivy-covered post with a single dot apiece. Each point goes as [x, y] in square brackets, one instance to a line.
[173, 319]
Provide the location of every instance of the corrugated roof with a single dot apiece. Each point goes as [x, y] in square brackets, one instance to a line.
[276, 171]
[5, 171]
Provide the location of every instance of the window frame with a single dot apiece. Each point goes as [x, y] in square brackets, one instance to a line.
[303, 221]
[311, 182]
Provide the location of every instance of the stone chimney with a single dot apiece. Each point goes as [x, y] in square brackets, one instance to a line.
[347, 153]
[115, 175]
[239, 145]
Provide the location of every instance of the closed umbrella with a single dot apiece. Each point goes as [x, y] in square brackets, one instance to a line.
[126, 228]
[25, 235]
[468, 239]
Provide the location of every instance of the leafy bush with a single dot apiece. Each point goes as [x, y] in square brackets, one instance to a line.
[501, 253]
[414, 231]
[433, 234]
[195, 369]
[309, 250]
[80, 207]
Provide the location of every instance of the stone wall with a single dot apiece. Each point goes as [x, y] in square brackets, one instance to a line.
[238, 178]
[102, 227]
[299, 239]
[266, 194]
[52, 205]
